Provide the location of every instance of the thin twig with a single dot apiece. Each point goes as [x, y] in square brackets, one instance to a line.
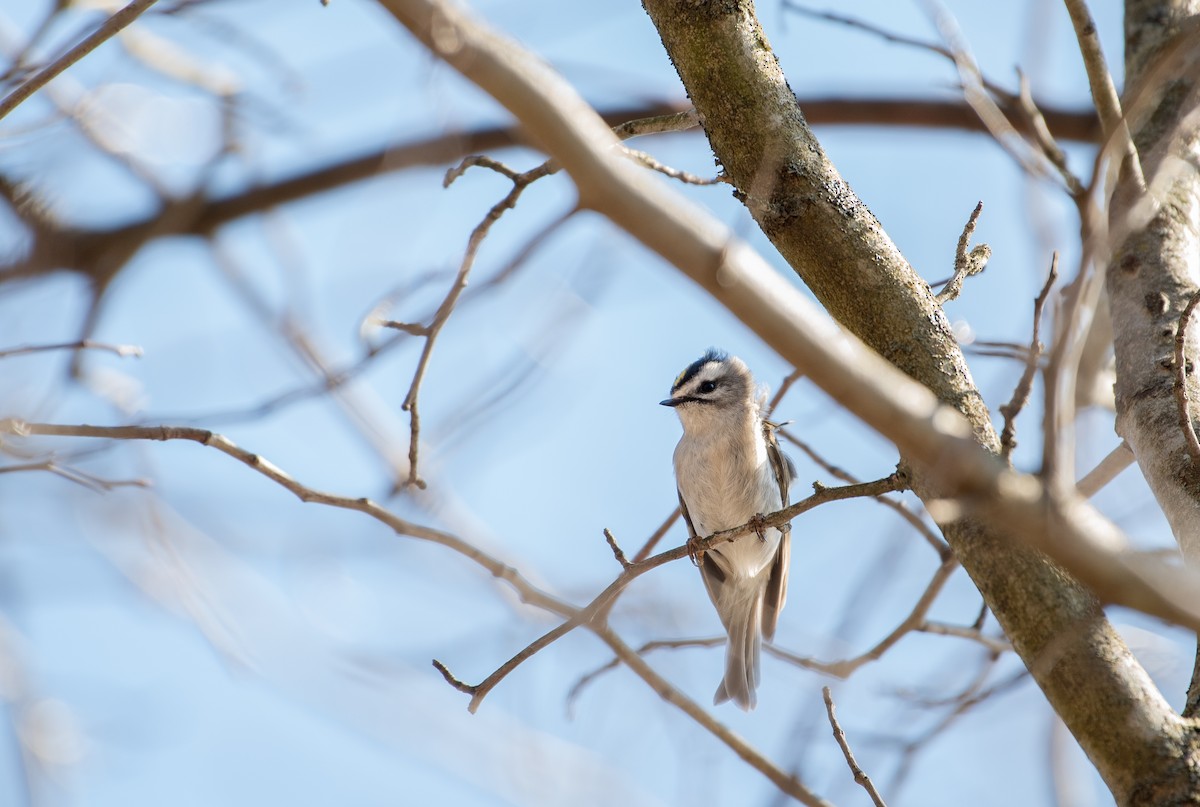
[1104, 92]
[595, 612]
[658, 124]
[1021, 392]
[981, 96]
[674, 173]
[966, 263]
[996, 645]
[526, 591]
[582, 683]
[787, 783]
[784, 385]
[933, 539]
[520, 182]
[1116, 461]
[912, 622]
[1183, 368]
[124, 351]
[1044, 139]
[109, 28]
[75, 475]
[838, 734]
[617, 553]
[657, 536]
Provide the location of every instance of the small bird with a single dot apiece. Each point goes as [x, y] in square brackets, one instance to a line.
[730, 470]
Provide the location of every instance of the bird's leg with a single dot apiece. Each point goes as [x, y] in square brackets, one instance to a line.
[695, 553]
[758, 523]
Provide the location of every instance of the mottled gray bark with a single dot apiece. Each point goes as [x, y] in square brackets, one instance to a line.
[1155, 271]
[1145, 753]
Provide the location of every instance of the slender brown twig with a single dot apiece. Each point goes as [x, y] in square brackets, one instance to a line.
[75, 475]
[1024, 386]
[1113, 463]
[617, 552]
[933, 539]
[966, 263]
[595, 612]
[657, 536]
[912, 622]
[860, 776]
[108, 29]
[124, 351]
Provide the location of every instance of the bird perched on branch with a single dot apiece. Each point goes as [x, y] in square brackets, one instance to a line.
[730, 471]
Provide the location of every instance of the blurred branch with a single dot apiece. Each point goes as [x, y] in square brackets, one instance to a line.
[56, 246]
[996, 645]
[75, 475]
[108, 29]
[1104, 92]
[1116, 461]
[124, 351]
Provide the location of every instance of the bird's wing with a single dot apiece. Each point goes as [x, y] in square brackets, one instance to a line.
[776, 594]
[711, 573]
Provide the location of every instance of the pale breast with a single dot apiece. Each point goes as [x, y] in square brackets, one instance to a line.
[725, 487]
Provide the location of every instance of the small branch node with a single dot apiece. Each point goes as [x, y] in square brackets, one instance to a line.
[617, 553]
[966, 263]
[466, 689]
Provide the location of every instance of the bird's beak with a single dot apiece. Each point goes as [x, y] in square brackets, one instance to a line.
[673, 401]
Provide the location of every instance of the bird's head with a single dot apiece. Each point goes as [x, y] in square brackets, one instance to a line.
[713, 387]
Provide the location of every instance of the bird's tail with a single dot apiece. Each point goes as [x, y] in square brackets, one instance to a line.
[742, 652]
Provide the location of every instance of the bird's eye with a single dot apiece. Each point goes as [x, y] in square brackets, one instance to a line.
[708, 386]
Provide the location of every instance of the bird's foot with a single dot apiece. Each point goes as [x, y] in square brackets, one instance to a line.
[695, 550]
[758, 523]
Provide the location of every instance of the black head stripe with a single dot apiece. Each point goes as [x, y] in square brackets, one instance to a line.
[712, 354]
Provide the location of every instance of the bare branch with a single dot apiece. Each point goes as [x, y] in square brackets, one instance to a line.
[526, 591]
[617, 553]
[1116, 461]
[595, 612]
[658, 124]
[932, 538]
[1021, 392]
[859, 776]
[784, 386]
[75, 475]
[966, 264]
[935, 436]
[913, 622]
[1104, 92]
[124, 351]
[973, 633]
[108, 29]
[657, 536]
[653, 164]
